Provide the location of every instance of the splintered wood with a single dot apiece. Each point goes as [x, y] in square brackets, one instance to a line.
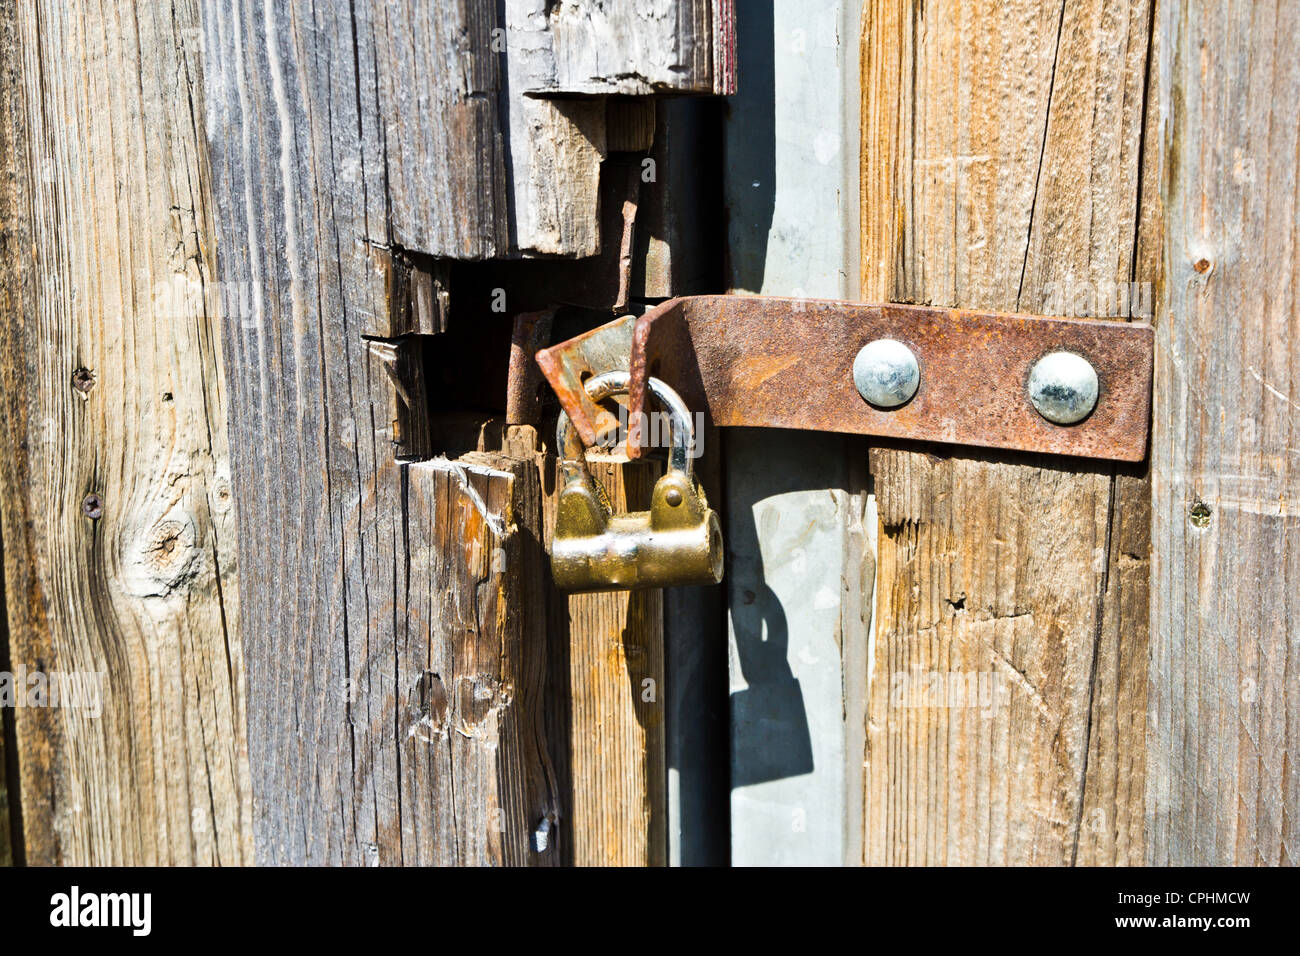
[475, 783]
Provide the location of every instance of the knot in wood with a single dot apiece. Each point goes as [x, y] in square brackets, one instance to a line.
[167, 557]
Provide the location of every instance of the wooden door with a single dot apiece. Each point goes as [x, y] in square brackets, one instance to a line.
[1021, 156]
[1006, 156]
[259, 468]
[274, 462]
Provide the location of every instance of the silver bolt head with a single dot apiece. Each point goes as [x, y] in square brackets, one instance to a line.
[886, 373]
[1063, 387]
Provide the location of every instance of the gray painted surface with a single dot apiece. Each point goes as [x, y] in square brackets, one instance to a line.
[795, 502]
[794, 531]
[792, 151]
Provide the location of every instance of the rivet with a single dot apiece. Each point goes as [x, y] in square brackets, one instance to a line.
[1063, 387]
[886, 373]
[673, 497]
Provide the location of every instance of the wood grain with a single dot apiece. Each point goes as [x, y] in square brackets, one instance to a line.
[591, 47]
[433, 133]
[617, 706]
[554, 165]
[1222, 783]
[1002, 163]
[106, 280]
[475, 782]
[388, 641]
[555, 147]
[345, 623]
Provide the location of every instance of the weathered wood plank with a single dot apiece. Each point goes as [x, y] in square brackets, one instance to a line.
[370, 577]
[475, 783]
[317, 491]
[1222, 778]
[555, 147]
[980, 696]
[617, 706]
[591, 47]
[1001, 150]
[430, 72]
[112, 387]
[1112, 820]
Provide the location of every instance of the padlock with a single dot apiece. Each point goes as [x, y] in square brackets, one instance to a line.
[678, 541]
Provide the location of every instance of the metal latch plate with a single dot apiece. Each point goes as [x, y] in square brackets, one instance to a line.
[787, 363]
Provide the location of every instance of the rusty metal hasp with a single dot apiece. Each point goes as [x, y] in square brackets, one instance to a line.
[1063, 386]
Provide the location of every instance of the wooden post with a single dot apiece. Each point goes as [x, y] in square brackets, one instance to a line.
[617, 706]
[476, 784]
[393, 695]
[333, 157]
[117, 527]
[1003, 150]
[1223, 785]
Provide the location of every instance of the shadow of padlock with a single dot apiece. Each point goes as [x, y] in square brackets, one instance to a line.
[677, 542]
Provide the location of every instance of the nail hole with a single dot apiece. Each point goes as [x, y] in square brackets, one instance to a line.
[83, 380]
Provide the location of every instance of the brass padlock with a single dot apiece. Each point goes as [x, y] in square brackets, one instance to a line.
[678, 541]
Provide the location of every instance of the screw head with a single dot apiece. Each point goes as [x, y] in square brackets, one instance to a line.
[83, 380]
[886, 373]
[1200, 514]
[1063, 387]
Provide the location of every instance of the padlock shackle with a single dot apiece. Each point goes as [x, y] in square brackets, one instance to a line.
[617, 382]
